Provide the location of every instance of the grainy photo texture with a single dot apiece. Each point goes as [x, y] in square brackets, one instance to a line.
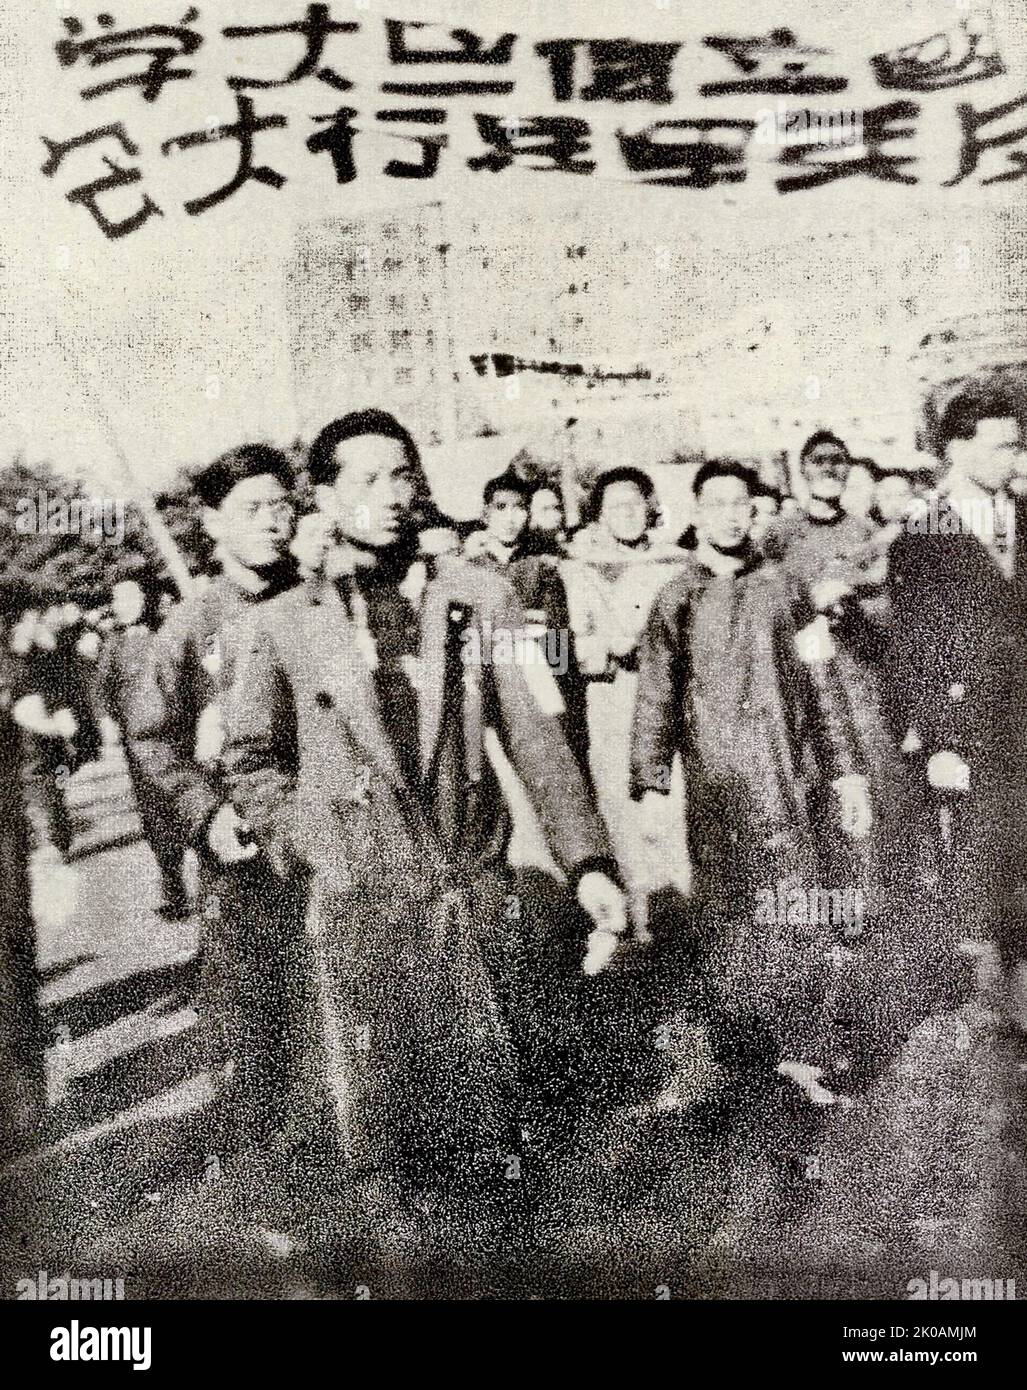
[513, 652]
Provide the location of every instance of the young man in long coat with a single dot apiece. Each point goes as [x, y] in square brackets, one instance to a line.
[954, 671]
[357, 751]
[806, 911]
[174, 726]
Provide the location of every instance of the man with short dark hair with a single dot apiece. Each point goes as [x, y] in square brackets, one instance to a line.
[834, 558]
[897, 493]
[504, 521]
[768, 795]
[725, 494]
[358, 749]
[781, 788]
[824, 466]
[955, 670]
[249, 958]
[249, 515]
[821, 542]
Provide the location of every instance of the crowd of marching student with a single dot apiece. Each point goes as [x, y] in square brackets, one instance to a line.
[70, 660]
[798, 700]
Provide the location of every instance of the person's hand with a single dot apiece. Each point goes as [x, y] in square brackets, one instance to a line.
[600, 948]
[604, 901]
[854, 809]
[225, 837]
[606, 904]
[948, 772]
[88, 645]
[29, 712]
[64, 723]
[593, 656]
[814, 642]
[23, 634]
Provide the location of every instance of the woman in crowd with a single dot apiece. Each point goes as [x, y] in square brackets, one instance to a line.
[618, 562]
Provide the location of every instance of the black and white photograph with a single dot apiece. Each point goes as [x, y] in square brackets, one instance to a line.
[513, 658]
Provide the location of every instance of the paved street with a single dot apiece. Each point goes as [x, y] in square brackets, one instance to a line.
[685, 1192]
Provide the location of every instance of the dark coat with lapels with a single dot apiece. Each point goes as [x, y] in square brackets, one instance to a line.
[252, 923]
[404, 833]
[956, 674]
